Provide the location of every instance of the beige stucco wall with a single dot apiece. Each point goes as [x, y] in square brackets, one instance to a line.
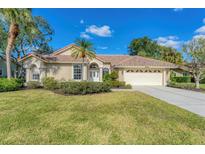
[67, 51]
[178, 72]
[120, 74]
[59, 71]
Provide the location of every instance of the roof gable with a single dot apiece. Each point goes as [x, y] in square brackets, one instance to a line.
[67, 50]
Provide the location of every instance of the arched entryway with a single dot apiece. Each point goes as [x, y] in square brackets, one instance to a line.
[35, 73]
[94, 72]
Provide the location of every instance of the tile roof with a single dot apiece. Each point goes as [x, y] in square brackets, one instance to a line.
[131, 61]
[63, 58]
[114, 60]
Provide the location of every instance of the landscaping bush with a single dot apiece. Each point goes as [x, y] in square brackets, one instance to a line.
[181, 85]
[128, 86]
[116, 84]
[34, 84]
[119, 84]
[10, 85]
[82, 88]
[111, 77]
[181, 79]
[20, 82]
[202, 81]
[50, 83]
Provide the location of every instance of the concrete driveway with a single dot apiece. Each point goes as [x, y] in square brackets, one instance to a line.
[186, 99]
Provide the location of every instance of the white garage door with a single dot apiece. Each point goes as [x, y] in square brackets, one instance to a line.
[134, 78]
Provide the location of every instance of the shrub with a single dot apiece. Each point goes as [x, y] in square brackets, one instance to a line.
[116, 84]
[128, 86]
[181, 85]
[111, 77]
[181, 79]
[10, 84]
[114, 75]
[50, 83]
[119, 84]
[202, 81]
[106, 77]
[82, 87]
[33, 84]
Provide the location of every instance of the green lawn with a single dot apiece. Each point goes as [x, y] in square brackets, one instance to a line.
[202, 86]
[42, 117]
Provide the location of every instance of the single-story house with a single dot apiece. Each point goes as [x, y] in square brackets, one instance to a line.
[134, 70]
[3, 73]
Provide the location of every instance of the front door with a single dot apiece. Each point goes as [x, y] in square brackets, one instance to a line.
[94, 75]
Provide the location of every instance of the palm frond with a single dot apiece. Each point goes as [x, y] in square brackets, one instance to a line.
[85, 49]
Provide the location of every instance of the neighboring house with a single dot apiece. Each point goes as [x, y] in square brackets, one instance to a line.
[181, 71]
[134, 70]
[3, 73]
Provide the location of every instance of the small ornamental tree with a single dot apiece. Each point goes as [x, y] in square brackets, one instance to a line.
[195, 53]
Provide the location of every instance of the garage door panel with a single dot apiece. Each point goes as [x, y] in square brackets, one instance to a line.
[143, 78]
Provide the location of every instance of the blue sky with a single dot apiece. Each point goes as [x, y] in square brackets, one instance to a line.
[111, 30]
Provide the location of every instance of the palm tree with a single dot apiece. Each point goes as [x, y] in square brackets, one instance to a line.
[85, 50]
[15, 20]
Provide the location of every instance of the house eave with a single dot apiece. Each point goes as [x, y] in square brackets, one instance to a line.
[161, 67]
[51, 62]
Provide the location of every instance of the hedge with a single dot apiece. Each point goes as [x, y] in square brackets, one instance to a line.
[119, 84]
[50, 83]
[181, 79]
[181, 85]
[10, 84]
[82, 87]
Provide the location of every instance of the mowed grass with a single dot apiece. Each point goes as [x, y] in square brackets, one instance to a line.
[42, 117]
[202, 86]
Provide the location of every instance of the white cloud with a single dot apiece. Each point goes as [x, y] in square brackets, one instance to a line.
[103, 31]
[169, 41]
[82, 21]
[178, 9]
[200, 30]
[198, 36]
[84, 35]
[103, 47]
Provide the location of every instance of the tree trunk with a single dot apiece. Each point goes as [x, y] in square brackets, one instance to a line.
[197, 83]
[17, 64]
[13, 33]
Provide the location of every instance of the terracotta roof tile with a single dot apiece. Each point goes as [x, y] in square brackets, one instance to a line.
[125, 60]
[114, 60]
[63, 58]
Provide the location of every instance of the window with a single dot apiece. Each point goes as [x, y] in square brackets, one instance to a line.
[185, 74]
[1, 72]
[105, 71]
[36, 77]
[77, 71]
[35, 73]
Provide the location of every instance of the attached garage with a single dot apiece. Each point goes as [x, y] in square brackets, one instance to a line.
[146, 77]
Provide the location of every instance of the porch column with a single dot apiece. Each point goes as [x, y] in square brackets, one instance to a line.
[27, 74]
[101, 74]
[85, 72]
[164, 78]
